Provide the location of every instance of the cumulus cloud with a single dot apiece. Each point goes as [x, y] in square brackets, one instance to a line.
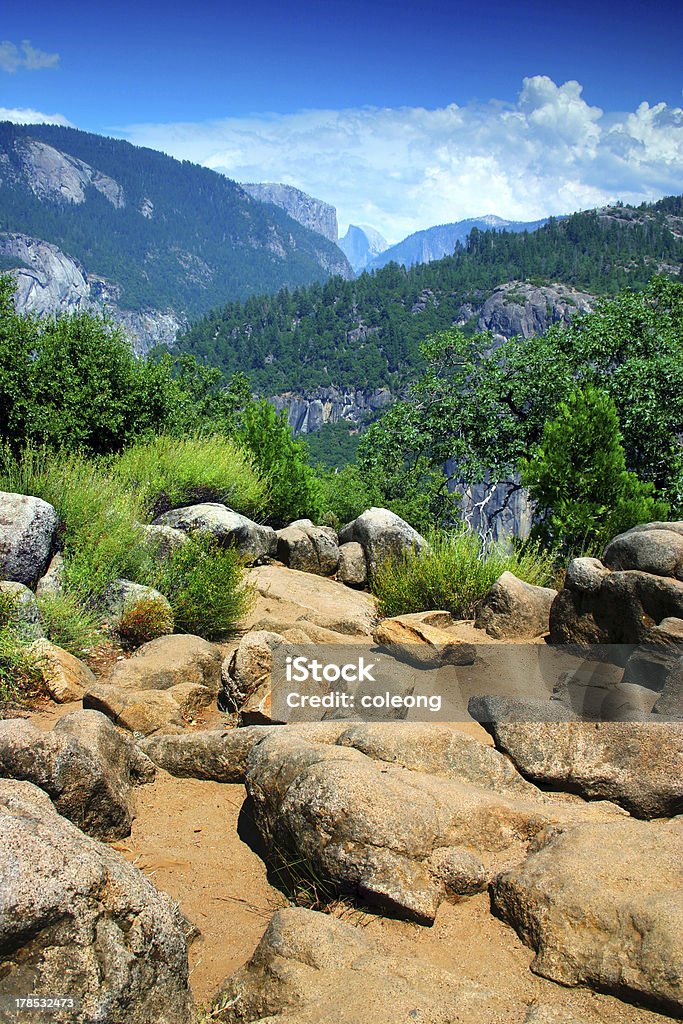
[24, 115]
[13, 57]
[402, 169]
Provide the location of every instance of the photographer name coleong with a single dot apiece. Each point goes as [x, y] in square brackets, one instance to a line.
[367, 701]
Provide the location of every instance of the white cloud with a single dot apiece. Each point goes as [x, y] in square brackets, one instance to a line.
[407, 168]
[24, 115]
[13, 57]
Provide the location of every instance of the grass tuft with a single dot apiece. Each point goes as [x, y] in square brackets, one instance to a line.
[69, 624]
[455, 574]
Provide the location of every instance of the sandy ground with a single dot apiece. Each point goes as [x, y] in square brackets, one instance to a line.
[194, 840]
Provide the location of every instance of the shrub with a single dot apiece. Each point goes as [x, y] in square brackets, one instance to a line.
[20, 670]
[143, 620]
[455, 574]
[100, 533]
[68, 624]
[577, 477]
[205, 586]
[346, 494]
[283, 460]
[168, 472]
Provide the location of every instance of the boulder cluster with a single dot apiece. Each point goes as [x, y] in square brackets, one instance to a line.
[564, 812]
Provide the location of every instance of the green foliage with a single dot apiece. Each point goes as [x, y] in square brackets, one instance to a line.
[68, 624]
[345, 494]
[578, 480]
[168, 472]
[283, 460]
[204, 241]
[485, 409]
[20, 670]
[454, 574]
[101, 536]
[73, 382]
[370, 330]
[143, 620]
[205, 586]
[334, 445]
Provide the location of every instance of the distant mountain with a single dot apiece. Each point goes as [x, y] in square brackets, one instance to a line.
[312, 213]
[361, 245]
[434, 243]
[86, 220]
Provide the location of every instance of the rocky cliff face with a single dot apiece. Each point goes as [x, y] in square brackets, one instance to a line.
[49, 281]
[310, 411]
[517, 309]
[55, 176]
[312, 213]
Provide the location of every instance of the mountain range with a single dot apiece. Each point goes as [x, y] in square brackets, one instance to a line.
[441, 240]
[88, 221]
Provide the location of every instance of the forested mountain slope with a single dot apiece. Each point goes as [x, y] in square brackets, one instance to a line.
[163, 234]
[366, 333]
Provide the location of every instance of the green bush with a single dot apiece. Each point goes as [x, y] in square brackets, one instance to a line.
[283, 460]
[168, 472]
[68, 624]
[100, 533]
[345, 494]
[20, 670]
[205, 586]
[454, 574]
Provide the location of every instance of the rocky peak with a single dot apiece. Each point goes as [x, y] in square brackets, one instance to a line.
[361, 245]
[312, 213]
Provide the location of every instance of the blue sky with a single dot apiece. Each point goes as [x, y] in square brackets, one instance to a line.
[401, 115]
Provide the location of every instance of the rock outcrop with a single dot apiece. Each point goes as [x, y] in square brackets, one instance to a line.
[381, 534]
[312, 213]
[84, 765]
[602, 905]
[513, 609]
[400, 839]
[521, 309]
[617, 601]
[317, 607]
[76, 919]
[311, 968]
[228, 528]
[312, 410]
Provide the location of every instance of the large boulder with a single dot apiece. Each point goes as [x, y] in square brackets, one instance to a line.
[602, 905]
[513, 609]
[301, 545]
[228, 528]
[313, 969]
[638, 765]
[398, 838]
[169, 661]
[381, 534]
[25, 614]
[597, 606]
[84, 765]
[65, 677]
[28, 528]
[76, 919]
[656, 548]
[150, 711]
[287, 598]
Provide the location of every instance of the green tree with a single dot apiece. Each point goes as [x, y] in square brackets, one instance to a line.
[283, 460]
[582, 492]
